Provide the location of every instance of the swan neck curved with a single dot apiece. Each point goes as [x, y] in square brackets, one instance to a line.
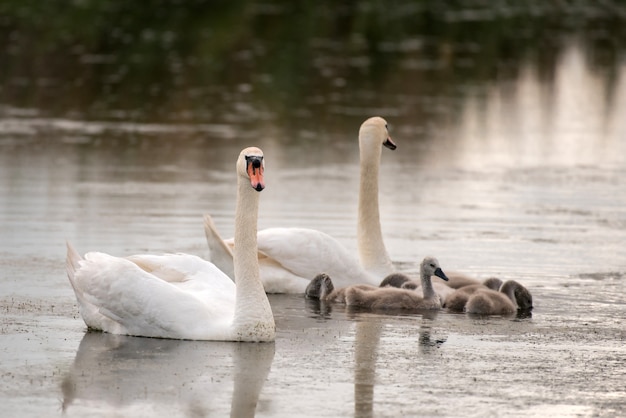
[252, 309]
[508, 289]
[372, 251]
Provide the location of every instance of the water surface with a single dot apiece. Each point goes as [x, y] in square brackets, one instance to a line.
[118, 134]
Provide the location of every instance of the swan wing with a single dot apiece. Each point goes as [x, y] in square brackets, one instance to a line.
[277, 279]
[169, 296]
[290, 257]
[308, 252]
[221, 252]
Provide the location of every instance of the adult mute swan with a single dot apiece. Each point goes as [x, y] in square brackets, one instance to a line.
[371, 297]
[290, 257]
[181, 296]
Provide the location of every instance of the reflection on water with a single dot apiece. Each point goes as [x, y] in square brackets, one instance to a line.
[366, 341]
[246, 63]
[574, 119]
[370, 331]
[155, 376]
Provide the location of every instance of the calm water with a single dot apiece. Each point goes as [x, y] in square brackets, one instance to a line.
[119, 127]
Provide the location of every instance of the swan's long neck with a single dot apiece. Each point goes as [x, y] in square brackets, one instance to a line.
[427, 285]
[252, 309]
[372, 251]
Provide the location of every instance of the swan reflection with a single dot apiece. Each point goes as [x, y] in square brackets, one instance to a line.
[370, 329]
[145, 376]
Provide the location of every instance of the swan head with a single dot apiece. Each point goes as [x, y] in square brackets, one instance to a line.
[430, 267]
[251, 165]
[319, 287]
[374, 133]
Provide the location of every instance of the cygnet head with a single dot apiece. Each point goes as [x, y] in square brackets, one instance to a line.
[395, 280]
[430, 267]
[319, 287]
[521, 295]
[374, 133]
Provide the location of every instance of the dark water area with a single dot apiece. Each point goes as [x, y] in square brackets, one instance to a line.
[246, 62]
[119, 126]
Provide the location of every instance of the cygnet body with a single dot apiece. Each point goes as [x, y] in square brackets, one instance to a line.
[386, 297]
[395, 280]
[458, 280]
[457, 299]
[402, 281]
[365, 296]
[489, 302]
[511, 297]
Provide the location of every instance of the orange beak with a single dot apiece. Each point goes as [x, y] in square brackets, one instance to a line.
[255, 172]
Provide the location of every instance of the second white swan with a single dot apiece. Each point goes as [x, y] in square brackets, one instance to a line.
[290, 257]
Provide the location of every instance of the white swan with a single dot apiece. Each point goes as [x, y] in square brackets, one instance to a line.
[177, 295]
[386, 297]
[290, 257]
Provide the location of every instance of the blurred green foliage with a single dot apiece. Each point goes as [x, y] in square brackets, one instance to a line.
[199, 60]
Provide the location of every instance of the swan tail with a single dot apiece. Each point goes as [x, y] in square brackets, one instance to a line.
[220, 253]
[72, 263]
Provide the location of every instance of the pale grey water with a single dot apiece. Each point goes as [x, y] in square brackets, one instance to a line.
[521, 177]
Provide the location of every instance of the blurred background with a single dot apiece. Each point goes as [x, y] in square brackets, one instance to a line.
[157, 94]
[433, 68]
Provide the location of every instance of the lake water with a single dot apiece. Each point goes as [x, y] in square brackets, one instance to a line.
[121, 130]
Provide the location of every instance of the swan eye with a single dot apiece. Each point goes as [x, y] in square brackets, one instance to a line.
[432, 265]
